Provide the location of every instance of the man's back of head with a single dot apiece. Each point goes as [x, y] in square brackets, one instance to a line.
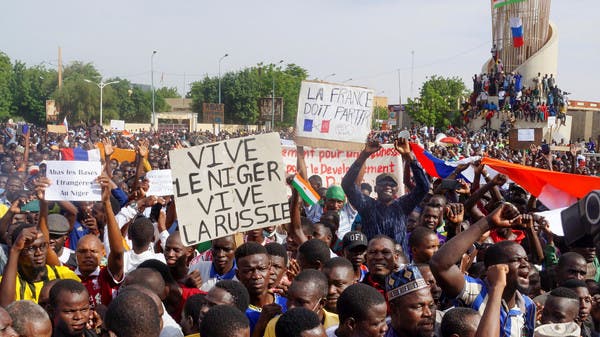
[133, 314]
[29, 319]
[225, 321]
[460, 322]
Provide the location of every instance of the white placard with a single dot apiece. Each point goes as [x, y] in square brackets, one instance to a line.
[551, 121]
[230, 186]
[525, 135]
[73, 180]
[161, 183]
[332, 165]
[334, 112]
[117, 125]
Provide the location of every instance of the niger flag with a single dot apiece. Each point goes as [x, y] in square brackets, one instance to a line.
[553, 189]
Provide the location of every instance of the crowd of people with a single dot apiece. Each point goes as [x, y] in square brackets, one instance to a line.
[503, 95]
[468, 260]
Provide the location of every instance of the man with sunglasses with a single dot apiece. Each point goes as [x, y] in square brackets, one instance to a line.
[387, 214]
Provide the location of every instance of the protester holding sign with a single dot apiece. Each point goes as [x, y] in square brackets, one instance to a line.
[386, 214]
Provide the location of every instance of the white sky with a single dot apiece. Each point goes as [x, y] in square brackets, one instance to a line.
[366, 40]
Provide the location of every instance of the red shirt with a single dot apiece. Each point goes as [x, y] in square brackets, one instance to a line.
[100, 285]
[186, 292]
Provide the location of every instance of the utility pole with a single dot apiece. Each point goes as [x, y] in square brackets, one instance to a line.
[59, 68]
[412, 73]
[399, 116]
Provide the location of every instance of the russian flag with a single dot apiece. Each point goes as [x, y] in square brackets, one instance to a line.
[516, 26]
[80, 154]
[436, 167]
[553, 189]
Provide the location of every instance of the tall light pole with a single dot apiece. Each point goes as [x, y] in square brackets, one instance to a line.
[101, 85]
[221, 59]
[273, 98]
[152, 122]
[328, 76]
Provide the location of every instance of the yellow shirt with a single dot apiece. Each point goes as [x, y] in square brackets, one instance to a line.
[330, 319]
[194, 335]
[31, 291]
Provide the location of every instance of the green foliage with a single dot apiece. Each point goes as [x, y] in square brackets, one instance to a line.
[165, 92]
[6, 74]
[437, 104]
[241, 90]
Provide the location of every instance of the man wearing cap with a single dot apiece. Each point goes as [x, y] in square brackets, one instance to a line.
[412, 308]
[386, 214]
[335, 200]
[58, 227]
[354, 248]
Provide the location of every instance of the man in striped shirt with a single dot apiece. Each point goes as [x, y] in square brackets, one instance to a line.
[517, 314]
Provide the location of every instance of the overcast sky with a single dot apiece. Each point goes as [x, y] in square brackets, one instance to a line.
[366, 41]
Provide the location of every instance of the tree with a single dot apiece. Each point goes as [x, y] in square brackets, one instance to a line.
[241, 90]
[437, 104]
[6, 74]
[165, 92]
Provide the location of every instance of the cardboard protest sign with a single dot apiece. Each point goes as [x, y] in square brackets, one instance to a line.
[73, 180]
[161, 183]
[332, 165]
[333, 115]
[228, 187]
[519, 139]
[57, 128]
[117, 125]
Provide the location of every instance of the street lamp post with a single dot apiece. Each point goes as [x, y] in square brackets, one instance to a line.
[152, 122]
[328, 76]
[101, 85]
[221, 59]
[273, 99]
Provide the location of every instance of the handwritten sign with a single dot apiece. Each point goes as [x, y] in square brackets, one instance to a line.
[73, 180]
[332, 165]
[525, 135]
[117, 125]
[161, 183]
[228, 187]
[333, 114]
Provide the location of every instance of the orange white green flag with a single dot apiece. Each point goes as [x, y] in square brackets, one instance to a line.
[306, 191]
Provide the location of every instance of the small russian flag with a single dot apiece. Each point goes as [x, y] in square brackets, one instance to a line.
[80, 154]
[516, 27]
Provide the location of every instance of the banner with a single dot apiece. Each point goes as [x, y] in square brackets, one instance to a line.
[332, 165]
[228, 187]
[161, 183]
[333, 114]
[73, 180]
[57, 128]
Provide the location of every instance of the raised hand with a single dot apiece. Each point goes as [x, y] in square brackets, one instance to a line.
[496, 275]
[455, 212]
[402, 146]
[27, 236]
[108, 146]
[371, 147]
[504, 215]
[40, 187]
[499, 180]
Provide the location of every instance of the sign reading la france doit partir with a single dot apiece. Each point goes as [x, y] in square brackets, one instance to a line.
[333, 112]
[230, 186]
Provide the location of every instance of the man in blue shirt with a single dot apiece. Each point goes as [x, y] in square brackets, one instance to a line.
[517, 313]
[387, 214]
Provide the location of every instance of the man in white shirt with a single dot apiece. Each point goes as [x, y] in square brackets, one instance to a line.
[141, 233]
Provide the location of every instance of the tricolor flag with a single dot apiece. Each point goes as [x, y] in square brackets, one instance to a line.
[553, 189]
[306, 191]
[436, 167]
[516, 27]
[501, 3]
[80, 154]
[65, 123]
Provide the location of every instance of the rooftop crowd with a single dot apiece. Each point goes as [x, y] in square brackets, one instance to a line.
[468, 260]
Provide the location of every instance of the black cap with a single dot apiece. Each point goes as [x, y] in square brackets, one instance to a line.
[386, 176]
[354, 239]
